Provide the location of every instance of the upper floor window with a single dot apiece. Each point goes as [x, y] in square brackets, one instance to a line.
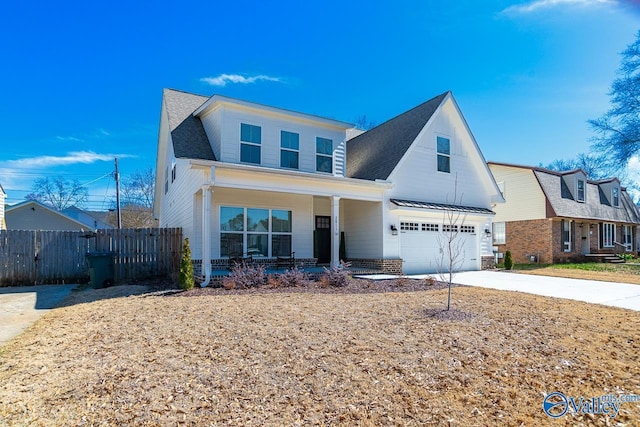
[444, 154]
[324, 155]
[581, 195]
[615, 192]
[289, 149]
[250, 140]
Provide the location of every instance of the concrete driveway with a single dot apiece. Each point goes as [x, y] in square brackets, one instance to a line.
[20, 307]
[621, 295]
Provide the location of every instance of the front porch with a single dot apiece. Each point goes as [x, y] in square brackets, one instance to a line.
[313, 272]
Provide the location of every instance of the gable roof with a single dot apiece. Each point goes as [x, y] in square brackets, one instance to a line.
[187, 133]
[2, 190]
[596, 204]
[375, 153]
[48, 210]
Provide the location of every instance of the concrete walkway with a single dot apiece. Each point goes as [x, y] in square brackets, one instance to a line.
[21, 306]
[621, 295]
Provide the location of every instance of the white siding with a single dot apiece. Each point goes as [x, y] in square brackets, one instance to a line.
[524, 199]
[223, 125]
[416, 177]
[212, 123]
[363, 228]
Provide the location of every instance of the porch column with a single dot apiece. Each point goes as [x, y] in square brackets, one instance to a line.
[206, 233]
[335, 231]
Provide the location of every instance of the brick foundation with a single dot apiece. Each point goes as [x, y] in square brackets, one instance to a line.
[389, 266]
[488, 262]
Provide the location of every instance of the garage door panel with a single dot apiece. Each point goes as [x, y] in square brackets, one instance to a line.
[420, 247]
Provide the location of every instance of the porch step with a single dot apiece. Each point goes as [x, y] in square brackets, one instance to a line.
[607, 258]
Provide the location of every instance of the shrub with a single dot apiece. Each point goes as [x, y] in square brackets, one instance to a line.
[430, 281]
[292, 278]
[185, 279]
[245, 276]
[337, 276]
[508, 261]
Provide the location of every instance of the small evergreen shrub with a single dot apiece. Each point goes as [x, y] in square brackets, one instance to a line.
[245, 276]
[508, 260]
[185, 279]
[337, 276]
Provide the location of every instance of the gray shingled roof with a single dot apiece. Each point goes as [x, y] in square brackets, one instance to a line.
[440, 206]
[596, 206]
[189, 138]
[375, 153]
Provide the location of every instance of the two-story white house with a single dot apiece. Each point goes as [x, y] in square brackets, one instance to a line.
[244, 179]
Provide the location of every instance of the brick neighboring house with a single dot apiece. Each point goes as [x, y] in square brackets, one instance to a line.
[554, 217]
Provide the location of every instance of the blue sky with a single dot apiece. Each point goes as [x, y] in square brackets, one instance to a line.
[82, 82]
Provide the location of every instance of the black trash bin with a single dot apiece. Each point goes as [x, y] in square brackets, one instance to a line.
[100, 269]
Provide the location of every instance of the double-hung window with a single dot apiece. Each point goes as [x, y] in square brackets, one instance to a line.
[258, 232]
[608, 234]
[324, 155]
[444, 154]
[250, 140]
[615, 193]
[499, 233]
[566, 236]
[580, 196]
[289, 149]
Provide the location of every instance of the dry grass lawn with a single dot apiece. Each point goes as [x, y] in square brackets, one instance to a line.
[620, 273]
[254, 358]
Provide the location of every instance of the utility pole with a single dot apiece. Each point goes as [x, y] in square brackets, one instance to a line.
[118, 213]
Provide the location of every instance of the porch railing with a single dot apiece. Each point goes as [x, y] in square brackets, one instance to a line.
[620, 250]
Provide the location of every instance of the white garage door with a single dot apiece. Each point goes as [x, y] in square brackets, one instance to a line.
[420, 248]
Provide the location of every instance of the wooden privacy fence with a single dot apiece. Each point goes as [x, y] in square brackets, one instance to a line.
[34, 257]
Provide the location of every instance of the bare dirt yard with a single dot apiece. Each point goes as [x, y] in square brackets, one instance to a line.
[370, 354]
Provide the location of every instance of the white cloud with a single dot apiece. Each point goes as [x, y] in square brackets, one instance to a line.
[223, 79]
[74, 157]
[536, 5]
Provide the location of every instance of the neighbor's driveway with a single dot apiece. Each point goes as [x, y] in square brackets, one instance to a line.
[22, 306]
[621, 295]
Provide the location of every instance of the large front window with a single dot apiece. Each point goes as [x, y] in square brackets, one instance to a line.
[608, 235]
[250, 140]
[324, 155]
[254, 231]
[444, 154]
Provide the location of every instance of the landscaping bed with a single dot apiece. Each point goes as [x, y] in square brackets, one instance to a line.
[372, 353]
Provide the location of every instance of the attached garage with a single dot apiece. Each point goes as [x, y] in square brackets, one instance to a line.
[422, 243]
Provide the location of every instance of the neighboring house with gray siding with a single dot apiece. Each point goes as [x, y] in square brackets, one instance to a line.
[245, 179]
[32, 215]
[551, 216]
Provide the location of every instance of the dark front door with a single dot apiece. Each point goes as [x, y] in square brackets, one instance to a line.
[323, 239]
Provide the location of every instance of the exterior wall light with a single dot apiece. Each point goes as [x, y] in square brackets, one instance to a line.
[394, 230]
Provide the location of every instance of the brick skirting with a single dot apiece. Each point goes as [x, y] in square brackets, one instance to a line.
[488, 262]
[389, 266]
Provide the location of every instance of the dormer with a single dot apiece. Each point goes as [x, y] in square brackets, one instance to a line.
[576, 182]
[252, 134]
[611, 190]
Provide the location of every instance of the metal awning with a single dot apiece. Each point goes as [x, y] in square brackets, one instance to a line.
[441, 207]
